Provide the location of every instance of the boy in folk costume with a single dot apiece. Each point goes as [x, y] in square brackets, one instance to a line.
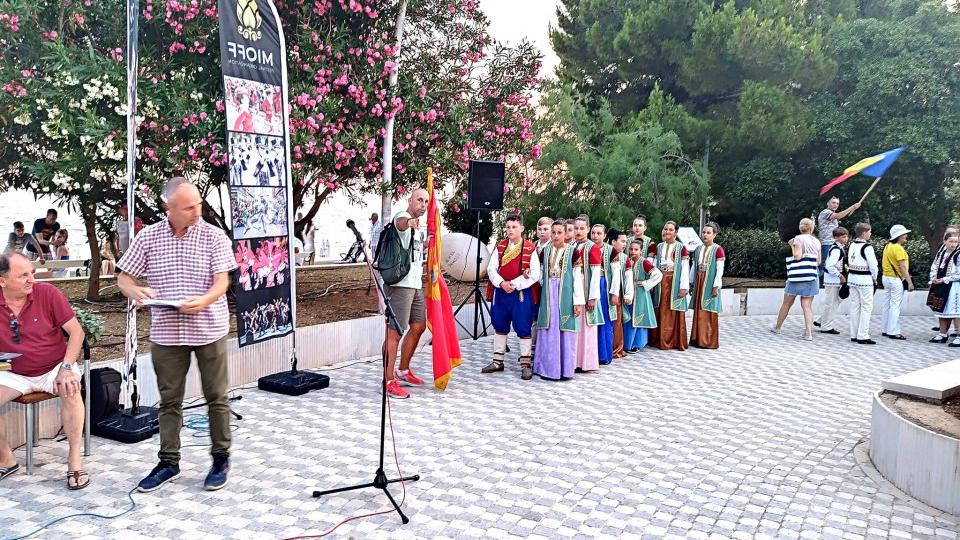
[586, 257]
[833, 278]
[512, 272]
[640, 277]
[639, 230]
[615, 264]
[670, 296]
[706, 284]
[561, 305]
[862, 269]
[598, 235]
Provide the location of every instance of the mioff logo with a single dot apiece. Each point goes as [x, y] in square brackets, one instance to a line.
[248, 15]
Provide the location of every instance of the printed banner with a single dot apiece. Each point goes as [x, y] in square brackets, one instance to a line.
[252, 53]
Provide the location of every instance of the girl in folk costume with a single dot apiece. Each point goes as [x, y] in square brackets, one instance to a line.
[708, 259]
[586, 257]
[670, 296]
[944, 296]
[512, 271]
[639, 230]
[640, 276]
[544, 226]
[598, 235]
[615, 265]
[561, 306]
[571, 231]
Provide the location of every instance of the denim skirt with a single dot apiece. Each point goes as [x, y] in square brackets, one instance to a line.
[803, 289]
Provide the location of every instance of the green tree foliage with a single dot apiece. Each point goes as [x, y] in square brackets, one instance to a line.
[594, 166]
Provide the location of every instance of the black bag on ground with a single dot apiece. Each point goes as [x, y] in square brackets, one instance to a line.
[104, 393]
[392, 259]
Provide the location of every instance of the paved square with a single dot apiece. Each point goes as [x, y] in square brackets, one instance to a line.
[752, 440]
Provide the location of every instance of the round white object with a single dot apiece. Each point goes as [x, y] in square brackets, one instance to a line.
[459, 257]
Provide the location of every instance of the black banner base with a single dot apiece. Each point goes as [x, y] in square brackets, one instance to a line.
[293, 383]
[128, 428]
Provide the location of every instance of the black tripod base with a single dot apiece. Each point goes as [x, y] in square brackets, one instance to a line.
[129, 428]
[293, 383]
[380, 481]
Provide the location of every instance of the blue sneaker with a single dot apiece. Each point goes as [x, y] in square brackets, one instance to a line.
[160, 475]
[217, 477]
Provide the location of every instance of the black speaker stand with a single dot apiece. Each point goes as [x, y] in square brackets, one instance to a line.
[380, 480]
[477, 296]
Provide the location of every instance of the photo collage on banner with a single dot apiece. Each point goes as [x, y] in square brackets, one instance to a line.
[259, 172]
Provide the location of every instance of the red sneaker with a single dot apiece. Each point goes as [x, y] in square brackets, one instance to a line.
[394, 391]
[408, 378]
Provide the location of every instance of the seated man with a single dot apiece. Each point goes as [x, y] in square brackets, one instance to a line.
[33, 317]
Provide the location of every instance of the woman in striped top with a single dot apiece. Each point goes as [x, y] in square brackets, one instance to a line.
[802, 278]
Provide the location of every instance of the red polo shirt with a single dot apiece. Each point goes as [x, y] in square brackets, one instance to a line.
[41, 338]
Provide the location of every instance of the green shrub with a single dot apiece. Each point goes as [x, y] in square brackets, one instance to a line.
[759, 254]
[753, 253]
[91, 322]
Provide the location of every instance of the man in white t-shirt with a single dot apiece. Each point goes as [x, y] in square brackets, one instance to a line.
[406, 298]
[827, 220]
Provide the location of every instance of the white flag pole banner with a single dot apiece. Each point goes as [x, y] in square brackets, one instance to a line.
[253, 57]
[128, 394]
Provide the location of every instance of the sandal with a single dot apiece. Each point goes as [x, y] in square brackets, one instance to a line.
[898, 336]
[75, 476]
[7, 471]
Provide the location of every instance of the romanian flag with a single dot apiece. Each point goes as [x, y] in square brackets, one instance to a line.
[872, 166]
[446, 347]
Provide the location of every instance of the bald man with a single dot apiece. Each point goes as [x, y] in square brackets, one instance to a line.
[184, 259]
[406, 298]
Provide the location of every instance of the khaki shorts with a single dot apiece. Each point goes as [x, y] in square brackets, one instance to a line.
[408, 305]
[40, 383]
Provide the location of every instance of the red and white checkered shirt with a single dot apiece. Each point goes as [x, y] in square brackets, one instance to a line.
[177, 268]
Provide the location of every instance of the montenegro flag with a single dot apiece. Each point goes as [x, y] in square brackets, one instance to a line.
[446, 347]
[873, 166]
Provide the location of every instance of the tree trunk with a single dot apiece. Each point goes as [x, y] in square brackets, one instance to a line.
[88, 210]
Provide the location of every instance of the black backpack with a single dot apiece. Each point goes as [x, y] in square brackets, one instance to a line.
[393, 260]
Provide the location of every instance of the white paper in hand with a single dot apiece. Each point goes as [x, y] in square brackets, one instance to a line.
[156, 302]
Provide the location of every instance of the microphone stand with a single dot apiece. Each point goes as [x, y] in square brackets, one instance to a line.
[380, 480]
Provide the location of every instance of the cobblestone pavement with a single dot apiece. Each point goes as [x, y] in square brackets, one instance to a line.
[752, 440]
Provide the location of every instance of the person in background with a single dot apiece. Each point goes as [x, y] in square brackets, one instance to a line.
[896, 276]
[827, 220]
[951, 228]
[121, 228]
[61, 251]
[43, 231]
[108, 257]
[862, 270]
[944, 297]
[706, 281]
[19, 238]
[801, 278]
[309, 245]
[833, 278]
[376, 227]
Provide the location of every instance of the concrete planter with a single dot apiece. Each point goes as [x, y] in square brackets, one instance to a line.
[920, 462]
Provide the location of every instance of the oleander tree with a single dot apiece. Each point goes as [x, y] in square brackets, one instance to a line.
[460, 96]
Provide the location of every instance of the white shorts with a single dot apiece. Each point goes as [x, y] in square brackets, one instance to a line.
[40, 383]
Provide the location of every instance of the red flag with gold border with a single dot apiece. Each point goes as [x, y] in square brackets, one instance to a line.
[446, 346]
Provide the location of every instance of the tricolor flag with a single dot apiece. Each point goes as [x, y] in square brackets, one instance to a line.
[872, 166]
[446, 347]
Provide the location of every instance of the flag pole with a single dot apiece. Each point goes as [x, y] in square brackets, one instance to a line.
[873, 185]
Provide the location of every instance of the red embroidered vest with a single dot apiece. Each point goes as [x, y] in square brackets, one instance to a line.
[516, 267]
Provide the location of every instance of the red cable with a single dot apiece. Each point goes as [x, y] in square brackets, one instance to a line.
[393, 440]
